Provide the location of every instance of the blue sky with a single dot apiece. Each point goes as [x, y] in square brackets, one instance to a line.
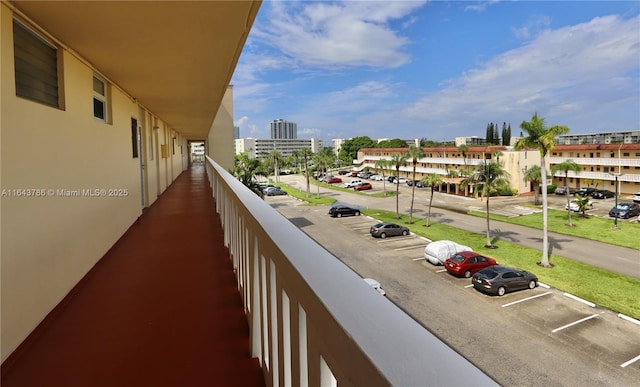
[438, 69]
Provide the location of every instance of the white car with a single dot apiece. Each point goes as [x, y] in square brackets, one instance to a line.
[576, 208]
[636, 197]
[401, 180]
[376, 285]
[439, 251]
[352, 183]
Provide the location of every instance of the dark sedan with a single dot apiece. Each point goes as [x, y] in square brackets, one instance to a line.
[385, 229]
[341, 210]
[499, 280]
[625, 210]
[563, 191]
[602, 194]
[466, 263]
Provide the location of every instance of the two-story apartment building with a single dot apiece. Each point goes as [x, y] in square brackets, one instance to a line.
[602, 165]
[451, 164]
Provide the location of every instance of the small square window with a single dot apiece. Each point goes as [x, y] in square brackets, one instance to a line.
[100, 105]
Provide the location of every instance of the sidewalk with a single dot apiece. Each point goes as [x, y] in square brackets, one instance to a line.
[452, 209]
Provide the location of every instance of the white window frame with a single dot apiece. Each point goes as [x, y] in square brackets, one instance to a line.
[103, 98]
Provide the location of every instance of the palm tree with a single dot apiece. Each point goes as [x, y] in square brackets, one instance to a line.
[533, 175]
[464, 148]
[489, 175]
[414, 153]
[276, 157]
[305, 156]
[380, 166]
[542, 138]
[431, 180]
[566, 166]
[398, 160]
[584, 203]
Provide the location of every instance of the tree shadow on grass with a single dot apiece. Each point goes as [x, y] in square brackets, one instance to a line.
[554, 243]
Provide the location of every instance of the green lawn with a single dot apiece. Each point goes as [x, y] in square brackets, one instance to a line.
[613, 291]
[597, 229]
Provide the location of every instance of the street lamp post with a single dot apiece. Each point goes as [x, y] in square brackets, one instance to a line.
[615, 219]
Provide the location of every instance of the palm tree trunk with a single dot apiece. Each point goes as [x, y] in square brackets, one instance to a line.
[397, 192]
[536, 195]
[488, 234]
[429, 212]
[545, 217]
[566, 187]
[413, 190]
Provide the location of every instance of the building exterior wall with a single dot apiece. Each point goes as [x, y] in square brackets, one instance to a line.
[449, 161]
[600, 164]
[76, 190]
[220, 139]
[261, 148]
[620, 137]
[281, 129]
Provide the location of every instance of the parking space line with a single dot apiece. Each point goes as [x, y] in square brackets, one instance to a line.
[576, 322]
[419, 259]
[468, 286]
[525, 299]
[440, 271]
[410, 247]
[544, 285]
[635, 359]
[627, 318]
[591, 304]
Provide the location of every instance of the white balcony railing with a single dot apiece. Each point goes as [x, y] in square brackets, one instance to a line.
[313, 321]
[624, 177]
[597, 161]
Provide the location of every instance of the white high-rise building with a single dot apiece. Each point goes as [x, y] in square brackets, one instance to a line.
[281, 129]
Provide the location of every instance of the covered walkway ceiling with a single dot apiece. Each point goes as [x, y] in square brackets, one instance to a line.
[176, 58]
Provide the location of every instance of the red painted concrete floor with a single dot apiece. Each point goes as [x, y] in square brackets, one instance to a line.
[160, 309]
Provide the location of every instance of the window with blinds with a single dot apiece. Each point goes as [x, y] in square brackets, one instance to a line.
[36, 66]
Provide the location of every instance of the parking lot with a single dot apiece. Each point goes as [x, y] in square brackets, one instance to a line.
[535, 336]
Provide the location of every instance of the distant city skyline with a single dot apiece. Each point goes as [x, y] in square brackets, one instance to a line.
[438, 70]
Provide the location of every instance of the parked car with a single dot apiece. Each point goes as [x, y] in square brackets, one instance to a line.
[376, 285]
[499, 280]
[438, 252]
[378, 177]
[333, 180]
[573, 204]
[274, 191]
[391, 178]
[363, 186]
[385, 229]
[365, 175]
[563, 191]
[418, 183]
[625, 210]
[342, 172]
[352, 183]
[341, 210]
[400, 180]
[602, 194]
[585, 191]
[636, 197]
[467, 262]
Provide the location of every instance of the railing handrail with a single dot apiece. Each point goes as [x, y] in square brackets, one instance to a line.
[365, 338]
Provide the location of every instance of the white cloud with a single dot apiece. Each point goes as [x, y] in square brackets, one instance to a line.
[566, 73]
[349, 33]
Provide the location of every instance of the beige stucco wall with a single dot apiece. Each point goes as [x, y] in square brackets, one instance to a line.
[219, 145]
[515, 162]
[49, 242]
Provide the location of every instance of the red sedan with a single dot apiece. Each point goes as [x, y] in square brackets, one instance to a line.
[363, 186]
[466, 263]
[334, 180]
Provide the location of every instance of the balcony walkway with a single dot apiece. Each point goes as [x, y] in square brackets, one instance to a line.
[161, 308]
